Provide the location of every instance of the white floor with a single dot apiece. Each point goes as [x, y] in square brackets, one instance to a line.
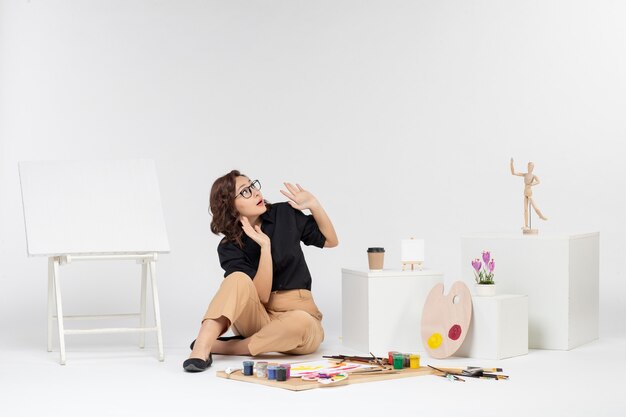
[125, 381]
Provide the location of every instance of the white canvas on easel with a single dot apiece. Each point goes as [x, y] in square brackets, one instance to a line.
[94, 210]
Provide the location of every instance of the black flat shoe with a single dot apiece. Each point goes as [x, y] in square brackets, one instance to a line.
[222, 339]
[197, 365]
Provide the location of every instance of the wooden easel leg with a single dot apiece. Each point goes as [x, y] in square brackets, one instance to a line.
[142, 303]
[157, 312]
[57, 292]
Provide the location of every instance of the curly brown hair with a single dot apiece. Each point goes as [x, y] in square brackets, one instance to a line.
[222, 207]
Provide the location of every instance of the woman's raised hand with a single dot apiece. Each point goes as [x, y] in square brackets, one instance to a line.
[299, 198]
[254, 233]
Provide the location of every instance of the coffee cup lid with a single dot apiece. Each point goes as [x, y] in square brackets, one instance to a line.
[376, 249]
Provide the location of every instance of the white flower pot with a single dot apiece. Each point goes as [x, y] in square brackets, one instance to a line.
[485, 290]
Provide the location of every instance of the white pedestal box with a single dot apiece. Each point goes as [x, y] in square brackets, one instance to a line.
[382, 310]
[558, 273]
[499, 328]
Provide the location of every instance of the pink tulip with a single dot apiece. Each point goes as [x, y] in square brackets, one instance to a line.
[486, 256]
[492, 265]
[476, 264]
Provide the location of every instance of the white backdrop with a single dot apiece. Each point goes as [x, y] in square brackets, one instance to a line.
[401, 116]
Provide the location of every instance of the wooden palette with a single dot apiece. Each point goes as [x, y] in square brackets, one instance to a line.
[297, 384]
[446, 319]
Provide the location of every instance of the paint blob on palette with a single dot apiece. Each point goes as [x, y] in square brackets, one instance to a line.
[446, 319]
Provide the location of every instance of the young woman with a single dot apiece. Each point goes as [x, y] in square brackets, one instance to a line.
[266, 294]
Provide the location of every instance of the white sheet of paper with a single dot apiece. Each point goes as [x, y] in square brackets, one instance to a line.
[324, 366]
[412, 250]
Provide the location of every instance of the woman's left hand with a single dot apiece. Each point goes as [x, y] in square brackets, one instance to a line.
[299, 198]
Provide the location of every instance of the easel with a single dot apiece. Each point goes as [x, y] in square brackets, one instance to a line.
[148, 266]
[95, 211]
[412, 253]
[413, 263]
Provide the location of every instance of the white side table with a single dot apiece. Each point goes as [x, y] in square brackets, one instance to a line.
[560, 275]
[499, 328]
[382, 310]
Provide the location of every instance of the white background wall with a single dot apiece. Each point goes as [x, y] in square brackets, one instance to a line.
[401, 116]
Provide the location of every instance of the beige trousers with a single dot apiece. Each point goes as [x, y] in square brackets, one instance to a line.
[290, 322]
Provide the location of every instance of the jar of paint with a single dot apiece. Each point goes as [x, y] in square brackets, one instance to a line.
[271, 372]
[398, 361]
[248, 368]
[415, 361]
[390, 354]
[281, 374]
[261, 369]
[287, 368]
[407, 360]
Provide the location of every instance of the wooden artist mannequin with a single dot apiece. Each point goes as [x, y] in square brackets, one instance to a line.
[530, 180]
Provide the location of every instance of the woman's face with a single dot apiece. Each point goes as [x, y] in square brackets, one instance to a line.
[254, 204]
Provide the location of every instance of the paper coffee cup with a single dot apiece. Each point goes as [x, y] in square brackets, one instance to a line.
[375, 258]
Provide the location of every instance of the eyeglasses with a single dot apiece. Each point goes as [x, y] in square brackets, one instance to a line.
[246, 192]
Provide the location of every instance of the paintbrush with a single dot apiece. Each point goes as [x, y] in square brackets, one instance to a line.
[366, 359]
[377, 371]
[372, 360]
[493, 376]
[447, 374]
[474, 373]
[485, 369]
[464, 372]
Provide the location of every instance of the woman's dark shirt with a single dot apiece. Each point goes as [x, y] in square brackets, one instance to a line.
[286, 228]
